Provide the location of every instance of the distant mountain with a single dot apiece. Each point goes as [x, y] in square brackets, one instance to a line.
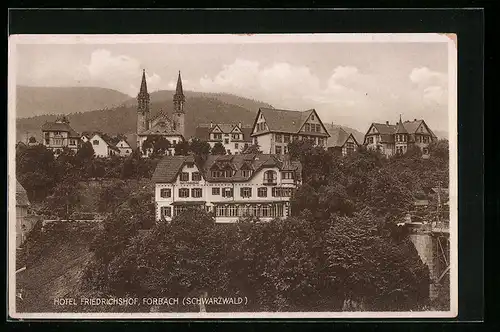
[123, 119]
[165, 97]
[33, 101]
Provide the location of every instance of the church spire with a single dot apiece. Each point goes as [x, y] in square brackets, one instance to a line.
[179, 93]
[144, 87]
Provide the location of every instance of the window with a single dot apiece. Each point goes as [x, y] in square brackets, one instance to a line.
[278, 138]
[285, 150]
[217, 136]
[165, 193]
[220, 211]
[184, 176]
[196, 192]
[246, 173]
[246, 192]
[236, 145]
[72, 142]
[262, 192]
[183, 192]
[270, 177]
[287, 175]
[227, 192]
[195, 176]
[215, 191]
[282, 192]
[307, 127]
[312, 117]
[174, 141]
[226, 141]
[286, 138]
[95, 142]
[57, 141]
[318, 128]
[313, 127]
[235, 136]
[166, 211]
[265, 211]
[278, 150]
[189, 165]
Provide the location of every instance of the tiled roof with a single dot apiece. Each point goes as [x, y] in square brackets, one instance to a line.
[400, 129]
[412, 126]
[284, 120]
[168, 168]
[60, 126]
[21, 195]
[384, 128]
[338, 137]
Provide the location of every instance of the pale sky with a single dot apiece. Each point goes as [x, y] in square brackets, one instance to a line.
[350, 84]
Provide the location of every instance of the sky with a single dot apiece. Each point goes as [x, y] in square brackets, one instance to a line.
[348, 83]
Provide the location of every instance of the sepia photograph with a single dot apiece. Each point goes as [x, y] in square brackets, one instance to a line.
[232, 176]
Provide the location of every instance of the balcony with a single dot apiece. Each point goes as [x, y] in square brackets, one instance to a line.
[270, 182]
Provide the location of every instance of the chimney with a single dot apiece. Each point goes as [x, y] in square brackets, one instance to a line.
[387, 122]
[239, 124]
[211, 124]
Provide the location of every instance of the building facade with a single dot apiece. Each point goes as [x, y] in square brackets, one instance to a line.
[229, 186]
[341, 142]
[59, 135]
[171, 128]
[391, 139]
[273, 129]
[234, 137]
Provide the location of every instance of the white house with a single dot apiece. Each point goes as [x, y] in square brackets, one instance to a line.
[102, 147]
[124, 147]
[229, 186]
[273, 129]
[234, 137]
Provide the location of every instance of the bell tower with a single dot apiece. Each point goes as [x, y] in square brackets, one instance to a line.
[143, 106]
[178, 114]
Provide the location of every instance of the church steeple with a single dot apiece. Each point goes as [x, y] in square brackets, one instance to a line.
[179, 98]
[144, 87]
[178, 114]
[143, 105]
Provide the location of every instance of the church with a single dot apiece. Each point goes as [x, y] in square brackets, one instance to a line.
[172, 128]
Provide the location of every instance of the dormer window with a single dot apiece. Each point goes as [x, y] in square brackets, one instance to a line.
[246, 173]
[184, 176]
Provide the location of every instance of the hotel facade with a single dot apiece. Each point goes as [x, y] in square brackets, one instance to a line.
[229, 186]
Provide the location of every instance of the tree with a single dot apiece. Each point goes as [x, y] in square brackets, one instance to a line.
[161, 146]
[251, 149]
[85, 153]
[182, 148]
[64, 200]
[218, 149]
[36, 170]
[199, 147]
[362, 263]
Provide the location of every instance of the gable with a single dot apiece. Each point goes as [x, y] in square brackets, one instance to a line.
[236, 129]
[216, 129]
[313, 119]
[99, 138]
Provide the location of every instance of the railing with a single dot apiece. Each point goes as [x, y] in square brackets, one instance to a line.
[270, 182]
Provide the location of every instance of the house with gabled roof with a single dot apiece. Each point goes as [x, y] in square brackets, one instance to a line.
[341, 142]
[103, 146]
[391, 139]
[58, 135]
[124, 147]
[273, 129]
[229, 186]
[234, 137]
